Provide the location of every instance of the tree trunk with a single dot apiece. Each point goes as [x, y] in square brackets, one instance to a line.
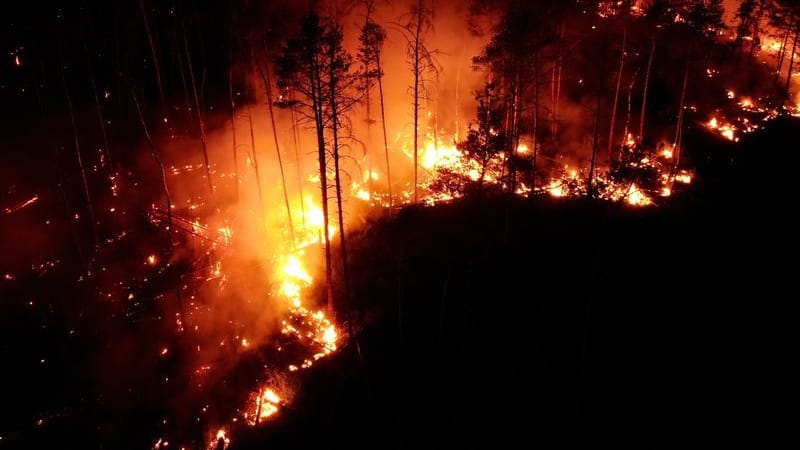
[90, 206]
[417, 81]
[557, 80]
[535, 148]
[298, 163]
[233, 134]
[316, 99]
[590, 188]
[268, 89]
[782, 54]
[157, 159]
[385, 138]
[616, 98]
[156, 64]
[679, 128]
[253, 141]
[643, 113]
[200, 119]
[334, 106]
[98, 107]
[791, 61]
[233, 116]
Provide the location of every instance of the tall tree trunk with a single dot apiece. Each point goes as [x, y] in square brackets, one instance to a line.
[253, 150]
[268, 89]
[625, 131]
[298, 163]
[616, 98]
[156, 64]
[679, 128]
[200, 119]
[233, 134]
[233, 116]
[97, 106]
[334, 106]
[417, 81]
[535, 133]
[315, 77]
[385, 138]
[90, 206]
[157, 159]
[601, 69]
[558, 75]
[643, 113]
[791, 61]
[782, 54]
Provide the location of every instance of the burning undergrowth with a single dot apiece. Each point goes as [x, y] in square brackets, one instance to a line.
[213, 246]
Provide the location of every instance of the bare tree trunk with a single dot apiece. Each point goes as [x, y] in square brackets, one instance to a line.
[643, 113]
[601, 68]
[535, 132]
[417, 81]
[338, 182]
[298, 163]
[679, 128]
[268, 89]
[255, 162]
[253, 140]
[187, 101]
[200, 120]
[98, 107]
[782, 53]
[156, 64]
[630, 106]
[385, 138]
[233, 135]
[323, 177]
[791, 61]
[616, 98]
[79, 158]
[233, 116]
[157, 158]
[558, 74]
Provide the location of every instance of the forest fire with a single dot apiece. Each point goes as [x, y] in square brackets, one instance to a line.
[206, 179]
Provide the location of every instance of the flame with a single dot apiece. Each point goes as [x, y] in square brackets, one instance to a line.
[152, 260]
[637, 198]
[683, 177]
[220, 436]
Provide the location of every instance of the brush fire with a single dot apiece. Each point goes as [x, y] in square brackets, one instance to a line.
[202, 190]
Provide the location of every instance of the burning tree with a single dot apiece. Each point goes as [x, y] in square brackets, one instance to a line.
[372, 39]
[315, 65]
[421, 62]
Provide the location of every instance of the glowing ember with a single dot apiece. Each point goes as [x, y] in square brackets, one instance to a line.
[683, 177]
[152, 260]
[523, 149]
[22, 205]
